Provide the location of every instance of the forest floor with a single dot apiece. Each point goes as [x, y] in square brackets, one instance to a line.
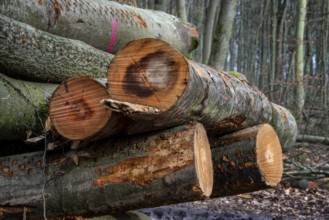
[302, 194]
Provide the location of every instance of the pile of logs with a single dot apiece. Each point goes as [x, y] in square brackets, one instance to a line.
[149, 127]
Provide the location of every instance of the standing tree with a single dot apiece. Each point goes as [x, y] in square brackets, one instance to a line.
[223, 33]
[300, 95]
[209, 29]
[181, 10]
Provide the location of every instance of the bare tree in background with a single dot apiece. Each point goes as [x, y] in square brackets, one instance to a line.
[181, 10]
[300, 94]
[223, 33]
[209, 29]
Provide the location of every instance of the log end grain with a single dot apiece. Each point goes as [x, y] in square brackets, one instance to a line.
[76, 111]
[203, 162]
[269, 155]
[148, 72]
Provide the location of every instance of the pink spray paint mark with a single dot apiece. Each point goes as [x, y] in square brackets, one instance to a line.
[114, 30]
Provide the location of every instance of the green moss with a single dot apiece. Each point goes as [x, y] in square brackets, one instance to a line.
[235, 73]
[189, 56]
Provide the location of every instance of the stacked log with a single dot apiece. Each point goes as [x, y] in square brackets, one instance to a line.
[151, 73]
[24, 107]
[31, 54]
[160, 129]
[115, 175]
[103, 24]
[148, 170]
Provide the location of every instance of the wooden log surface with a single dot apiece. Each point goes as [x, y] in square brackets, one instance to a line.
[150, 72]
[24, 107]
[106, 25]
[285, 125]
[30, 54]
[76, 111]
[114, 175]
[247, 160]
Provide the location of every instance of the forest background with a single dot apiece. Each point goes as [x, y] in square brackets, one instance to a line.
[281, 46]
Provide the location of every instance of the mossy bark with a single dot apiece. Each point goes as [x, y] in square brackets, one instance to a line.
[104, 24]
[24, 107]
[28, 53]
[123, 174]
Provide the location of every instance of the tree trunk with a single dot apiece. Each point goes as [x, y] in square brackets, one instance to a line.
[181, 10]
[32, 54]
[300, 96]
[165, 167]
[209, 30]
[24, 107]
[246, 161]
[181, 90]
[104, 24]
[223, 33]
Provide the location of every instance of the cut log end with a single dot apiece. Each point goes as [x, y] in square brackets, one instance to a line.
[203, 162]
[269, 155]
[148, 72]
[76, 111]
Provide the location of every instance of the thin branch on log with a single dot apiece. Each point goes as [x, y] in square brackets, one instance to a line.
[152, 73]
[24, 107]
[247, 160]
[126, 173]
[103, 24]
[36, 55]
[313, 139]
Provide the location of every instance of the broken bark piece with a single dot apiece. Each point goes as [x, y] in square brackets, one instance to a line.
[103, 24]
[247, 160]
[129, 173]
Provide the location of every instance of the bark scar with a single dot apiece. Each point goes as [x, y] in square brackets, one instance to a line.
[57, 11]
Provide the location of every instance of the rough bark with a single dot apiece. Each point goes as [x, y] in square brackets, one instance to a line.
[24, 107]
[31, 54]
[125, 174]
[182, 90]
[285, 125]
[104, 24]
[223, 33]
[246, 161]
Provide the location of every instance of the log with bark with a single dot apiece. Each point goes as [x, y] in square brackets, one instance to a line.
[247, 160]
[31, 54]
[114, 175]
[285, 125]
[151, 73]
[104, 24]
[24, 107]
